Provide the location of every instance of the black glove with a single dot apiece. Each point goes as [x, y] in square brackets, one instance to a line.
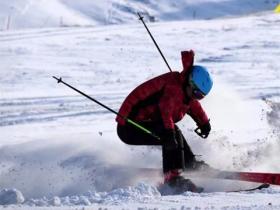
[168, 138]
[205, 129]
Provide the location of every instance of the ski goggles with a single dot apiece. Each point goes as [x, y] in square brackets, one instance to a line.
[198, 94]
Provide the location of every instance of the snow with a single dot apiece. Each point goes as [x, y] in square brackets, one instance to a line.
[59, 150]
[11, 196]
[19, 14]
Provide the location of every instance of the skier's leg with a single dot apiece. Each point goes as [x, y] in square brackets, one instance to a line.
[171, 159]
[189, 157]
[179, 158]
[129, 134]
[174, 159]
[190, 160]
[132, 135]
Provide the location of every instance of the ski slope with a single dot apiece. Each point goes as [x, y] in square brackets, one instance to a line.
[59, 150]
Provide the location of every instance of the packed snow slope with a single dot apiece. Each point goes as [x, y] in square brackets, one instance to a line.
[58, 148]
[18, 14]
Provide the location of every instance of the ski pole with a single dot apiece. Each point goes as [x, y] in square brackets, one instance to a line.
[141, 18]
[59, 80]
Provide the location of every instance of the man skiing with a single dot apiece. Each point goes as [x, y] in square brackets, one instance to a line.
[160, 103]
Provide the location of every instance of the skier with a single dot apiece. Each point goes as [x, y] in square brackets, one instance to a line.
[161, 102]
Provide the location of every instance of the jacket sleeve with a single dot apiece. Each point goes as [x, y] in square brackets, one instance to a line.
[197, 113]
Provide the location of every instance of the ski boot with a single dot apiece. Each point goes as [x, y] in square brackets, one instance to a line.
[175, 184]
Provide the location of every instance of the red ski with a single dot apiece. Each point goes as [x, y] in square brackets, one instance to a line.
[269, 178]
[209, 173]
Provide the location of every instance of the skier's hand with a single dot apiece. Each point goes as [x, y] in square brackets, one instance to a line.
[168, 138]
[205, 129]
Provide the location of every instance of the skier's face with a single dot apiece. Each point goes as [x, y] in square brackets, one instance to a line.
[189, 91]
[193, 92]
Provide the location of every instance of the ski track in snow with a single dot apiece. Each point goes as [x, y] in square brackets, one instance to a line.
[51, 132]
[30, 110]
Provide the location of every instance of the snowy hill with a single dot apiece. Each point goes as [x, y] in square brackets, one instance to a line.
[18, 14]
[59, 150]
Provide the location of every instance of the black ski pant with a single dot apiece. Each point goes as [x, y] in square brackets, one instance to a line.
[179, 158]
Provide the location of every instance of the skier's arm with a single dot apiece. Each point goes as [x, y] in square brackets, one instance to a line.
[197, 113]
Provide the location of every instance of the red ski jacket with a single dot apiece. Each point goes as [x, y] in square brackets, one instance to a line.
[163, 99]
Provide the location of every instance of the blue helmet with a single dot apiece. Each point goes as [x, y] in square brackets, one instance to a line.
[201, 79]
